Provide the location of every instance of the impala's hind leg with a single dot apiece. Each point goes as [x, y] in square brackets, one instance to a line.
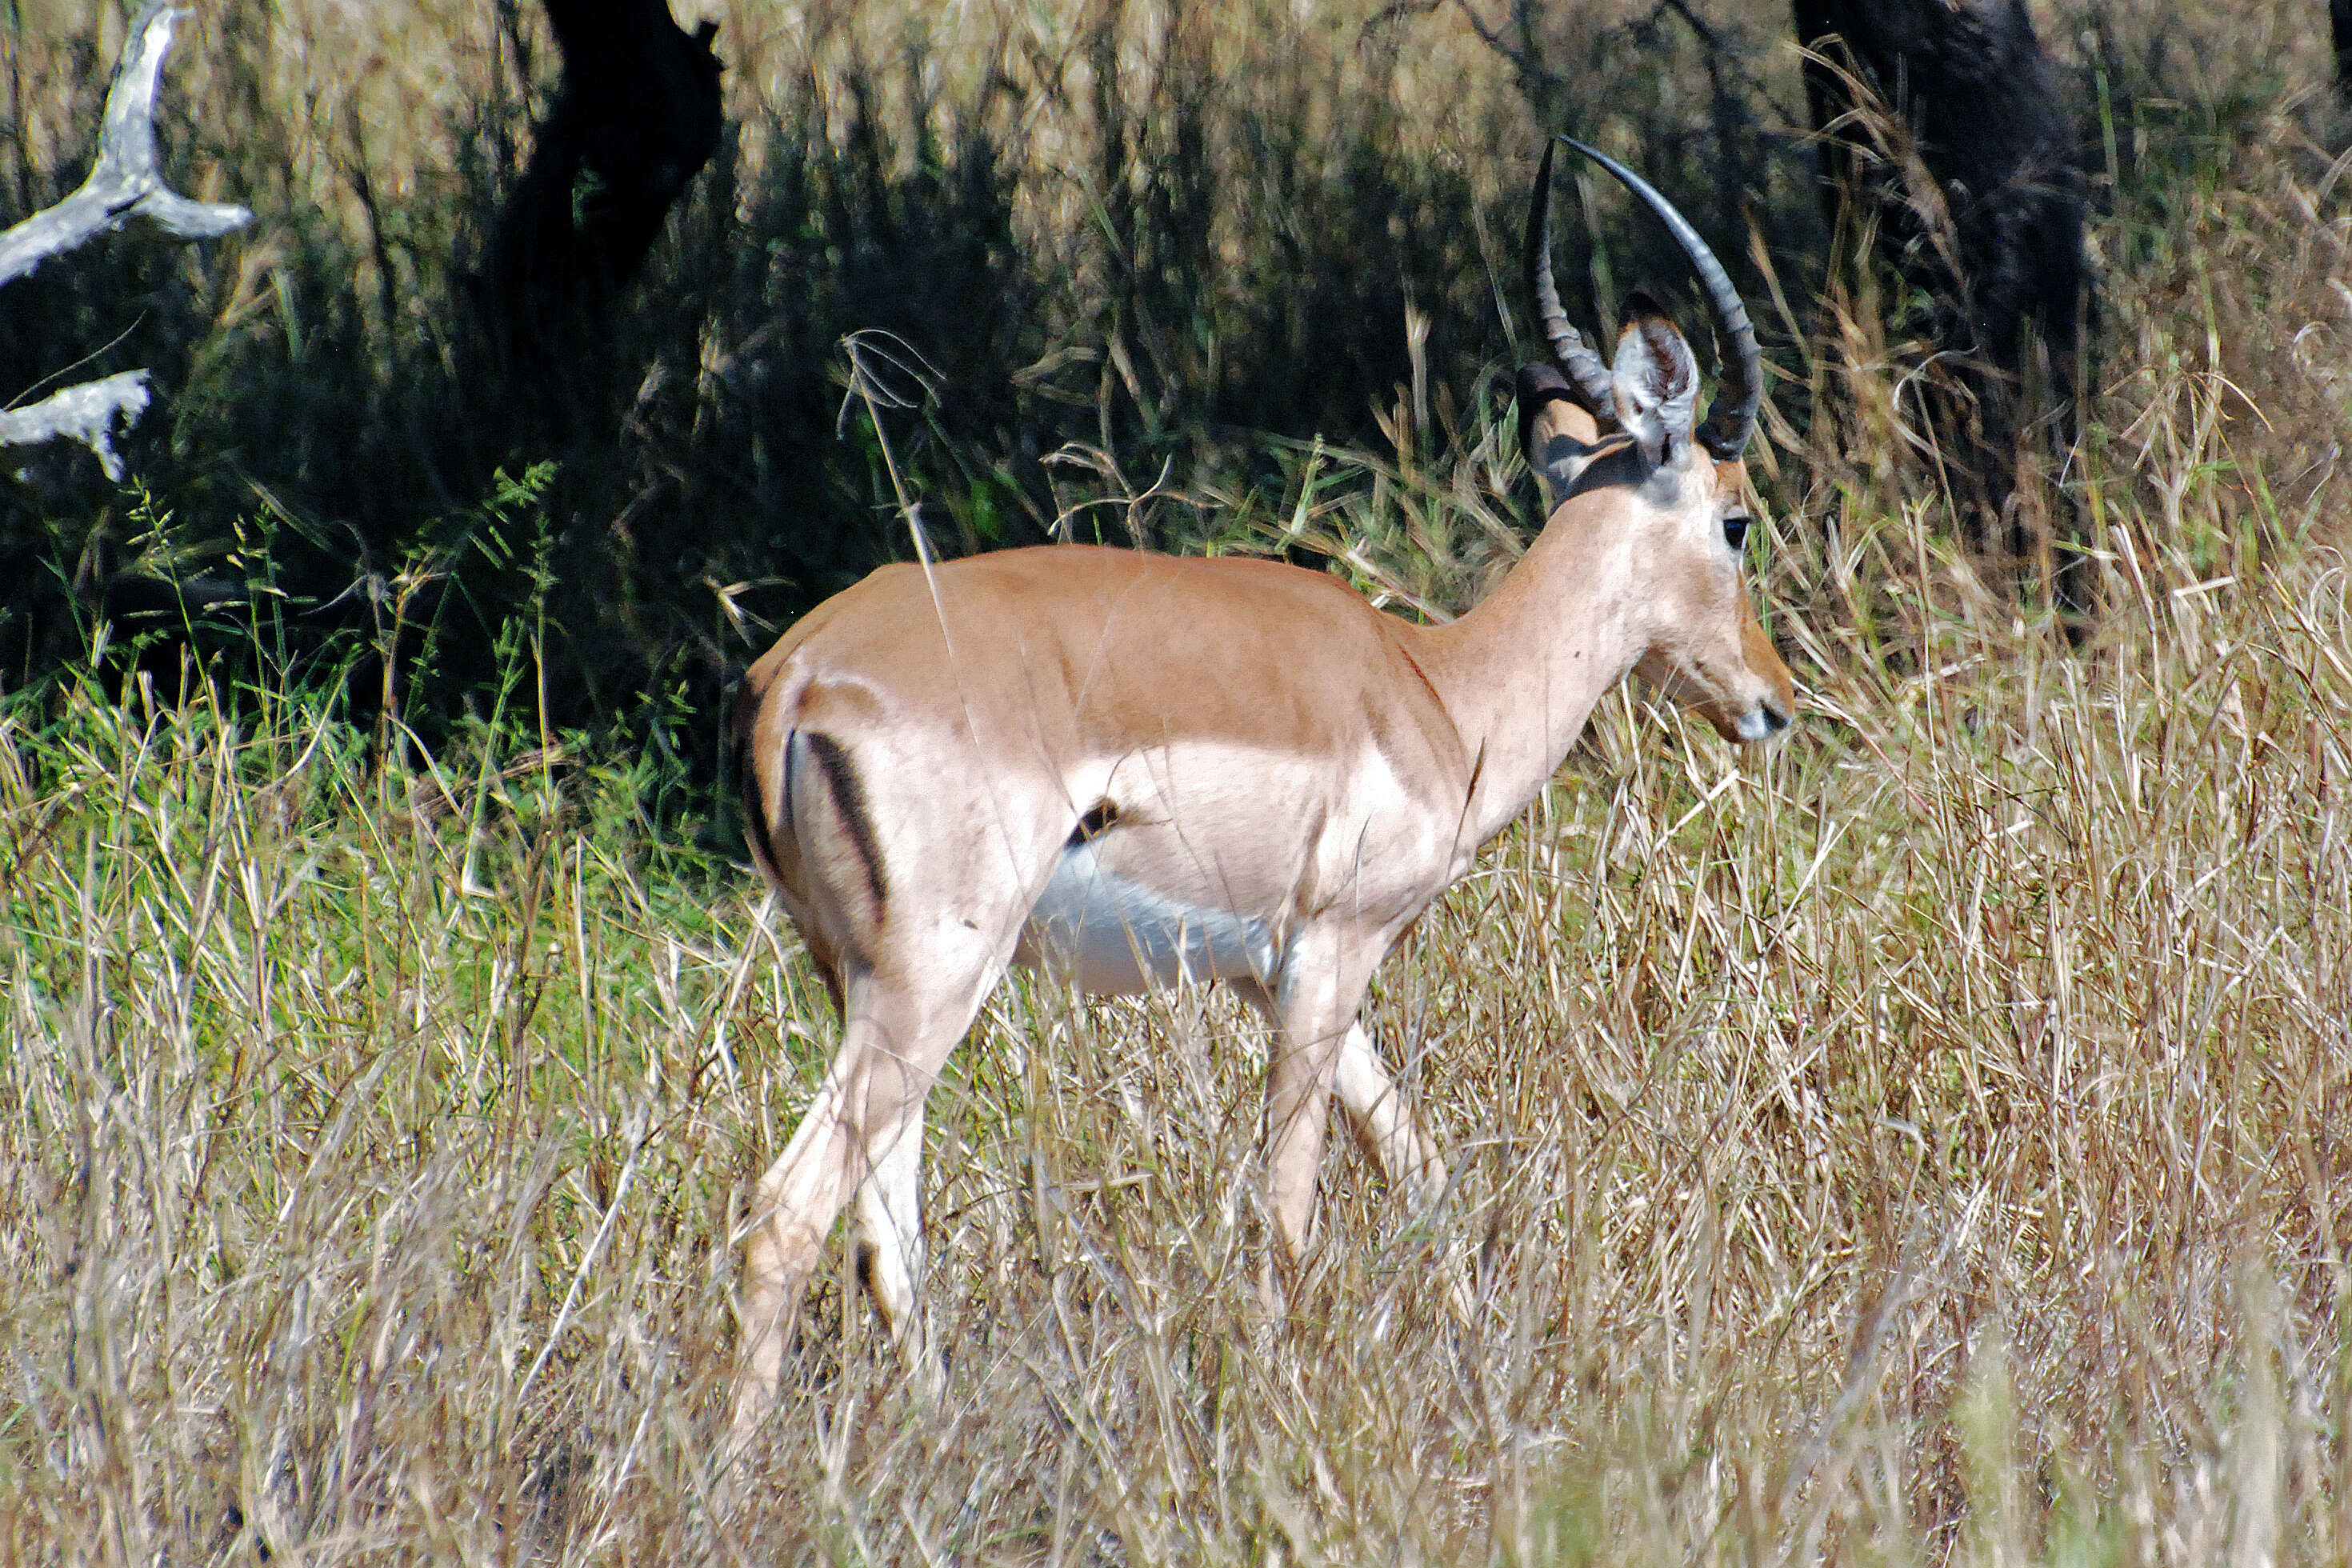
[890, 1249]
[865, 1121]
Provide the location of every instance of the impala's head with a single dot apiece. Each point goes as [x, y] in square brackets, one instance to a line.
[1629, 432]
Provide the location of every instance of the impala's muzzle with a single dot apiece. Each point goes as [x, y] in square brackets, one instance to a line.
[1749, 701]
[1750, 723]
[1768, 713]
[1765, 722]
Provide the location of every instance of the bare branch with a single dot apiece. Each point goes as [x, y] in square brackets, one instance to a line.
[85, 413]
[124, 183]
[1527, 61]
[1721, 56]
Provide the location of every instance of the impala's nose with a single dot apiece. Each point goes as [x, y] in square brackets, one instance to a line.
[1762, 723]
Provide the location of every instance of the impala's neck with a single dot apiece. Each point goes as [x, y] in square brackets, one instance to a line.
[1521, 673]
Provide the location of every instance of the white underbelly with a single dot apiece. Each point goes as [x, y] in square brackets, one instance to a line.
[1110, 934]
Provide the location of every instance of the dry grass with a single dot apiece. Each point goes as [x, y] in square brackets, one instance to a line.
[1927, 1144]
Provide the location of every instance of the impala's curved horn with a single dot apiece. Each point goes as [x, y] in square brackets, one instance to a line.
[1584, 367]
[1731, 417]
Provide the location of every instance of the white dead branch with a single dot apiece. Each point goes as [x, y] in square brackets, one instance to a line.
[124, 184]
[85, 413]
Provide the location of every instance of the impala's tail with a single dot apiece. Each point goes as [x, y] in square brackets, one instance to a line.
[764, 792]
[807, 815]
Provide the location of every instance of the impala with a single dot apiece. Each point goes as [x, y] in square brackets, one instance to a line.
[1132, 770]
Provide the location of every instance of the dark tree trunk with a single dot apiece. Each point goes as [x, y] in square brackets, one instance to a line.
[635, 119]
[1969, 83]
[2339, 18]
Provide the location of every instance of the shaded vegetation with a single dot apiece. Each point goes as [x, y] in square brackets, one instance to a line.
[1116, 258]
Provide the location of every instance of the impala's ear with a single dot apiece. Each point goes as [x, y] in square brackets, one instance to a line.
[1556, 432]
[1656, 381]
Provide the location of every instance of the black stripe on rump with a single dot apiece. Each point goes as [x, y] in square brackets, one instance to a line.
[849, 799]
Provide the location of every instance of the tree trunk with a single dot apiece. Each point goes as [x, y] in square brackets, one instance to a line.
[1997, 241]
[2339, 17]
[635, 119]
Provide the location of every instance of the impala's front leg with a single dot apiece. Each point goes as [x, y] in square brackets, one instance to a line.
[1383, 1120]
[1385, 1123]
[1315, 1008]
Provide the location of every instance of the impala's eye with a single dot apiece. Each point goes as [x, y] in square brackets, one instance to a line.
[1735, 530]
